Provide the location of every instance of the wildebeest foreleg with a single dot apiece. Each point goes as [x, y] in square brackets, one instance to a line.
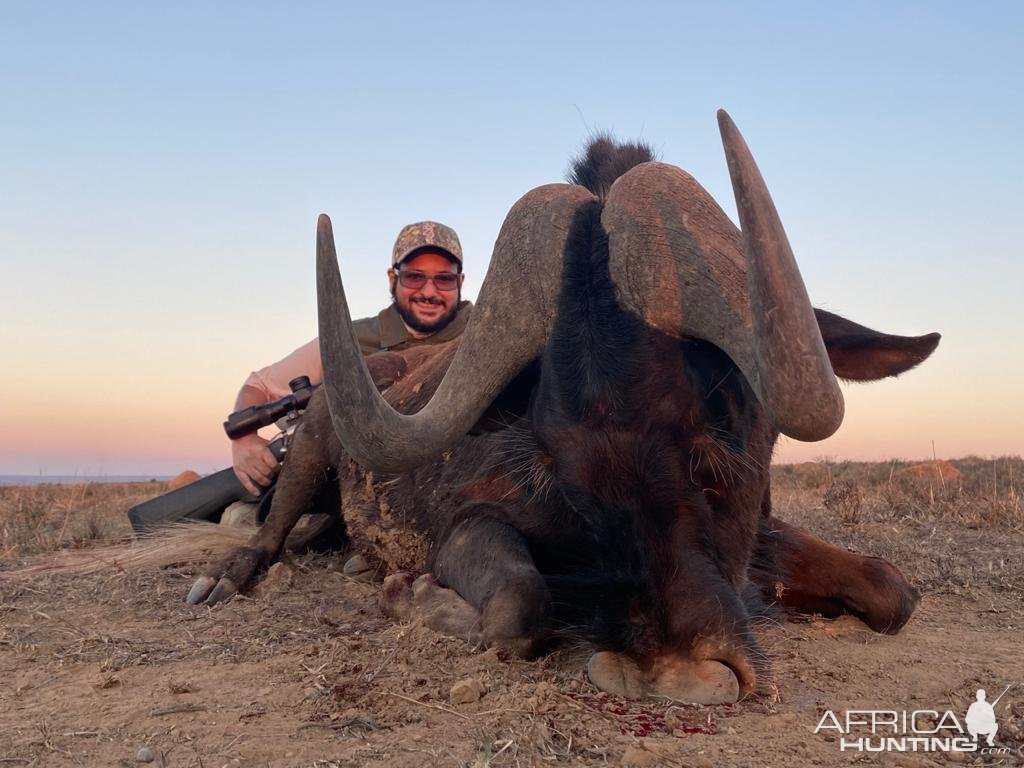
[806, 574]
[308, 467]
[487, 562]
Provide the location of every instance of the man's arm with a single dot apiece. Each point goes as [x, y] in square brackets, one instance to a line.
[254, 465]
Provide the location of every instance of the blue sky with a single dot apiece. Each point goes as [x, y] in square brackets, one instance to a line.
[163, 166]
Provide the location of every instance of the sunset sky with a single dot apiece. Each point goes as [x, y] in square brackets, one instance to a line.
[163, 166]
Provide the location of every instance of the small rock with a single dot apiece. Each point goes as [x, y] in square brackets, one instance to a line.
[145, 755]
[941, 471]
[277, 580]
[902, 761]
[466, 691]
[955, 756]
[183, 479]
[540, 735]
[1012, 731]
[358, 568]
[638, 757]
[490, 657]
[241, 513]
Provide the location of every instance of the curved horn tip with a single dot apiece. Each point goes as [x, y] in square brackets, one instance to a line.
[727, 129]
[810, 427]
[325, 240]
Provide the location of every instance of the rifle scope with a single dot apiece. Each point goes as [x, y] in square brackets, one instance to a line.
[248, 420]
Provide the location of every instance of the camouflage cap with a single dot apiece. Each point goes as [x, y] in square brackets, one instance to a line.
[426, 234]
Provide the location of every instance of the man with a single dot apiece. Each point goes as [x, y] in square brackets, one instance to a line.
[981, 718]
[425, 280]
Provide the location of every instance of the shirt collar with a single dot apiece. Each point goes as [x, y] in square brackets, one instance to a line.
[393, 331]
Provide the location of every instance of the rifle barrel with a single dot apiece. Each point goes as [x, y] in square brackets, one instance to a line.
[1002, 694]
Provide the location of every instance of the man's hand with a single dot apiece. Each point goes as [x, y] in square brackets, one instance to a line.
[254, 465]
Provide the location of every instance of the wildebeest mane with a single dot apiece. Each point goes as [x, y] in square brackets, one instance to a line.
[604, 159]
[596, 370]
[595, 354]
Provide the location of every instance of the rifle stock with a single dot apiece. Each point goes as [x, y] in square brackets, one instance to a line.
[200, 500]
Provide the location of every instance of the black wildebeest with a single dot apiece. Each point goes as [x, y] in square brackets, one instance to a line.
[635, 357]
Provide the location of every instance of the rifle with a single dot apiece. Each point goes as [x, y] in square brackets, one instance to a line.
[206, 498]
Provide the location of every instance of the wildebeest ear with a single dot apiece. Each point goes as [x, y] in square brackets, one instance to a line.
[858, 353]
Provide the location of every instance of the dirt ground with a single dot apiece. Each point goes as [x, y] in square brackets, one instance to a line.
[99, 669]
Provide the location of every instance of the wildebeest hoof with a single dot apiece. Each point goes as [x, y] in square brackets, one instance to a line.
[210, 591]
[225, 588]
[226, 577]
[200, 590]
[512, 620]
[444, 610]
[693, 682]
[425, 600]
[396, 596]
[615, 673]
[882, 597]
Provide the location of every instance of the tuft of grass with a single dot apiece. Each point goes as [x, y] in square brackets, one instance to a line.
[845, 499]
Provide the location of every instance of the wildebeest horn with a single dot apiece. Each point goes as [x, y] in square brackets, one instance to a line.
[682, 265]
[798, 386]
[509, 326]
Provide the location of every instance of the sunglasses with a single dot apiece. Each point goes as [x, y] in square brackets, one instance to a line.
[443, 281]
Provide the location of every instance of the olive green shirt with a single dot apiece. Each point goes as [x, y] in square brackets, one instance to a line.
[384, 332]
[387, 331]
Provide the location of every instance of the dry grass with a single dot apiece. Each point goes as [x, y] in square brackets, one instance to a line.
[871, 507]
[986, 494]
[173, 545]
[45, 518]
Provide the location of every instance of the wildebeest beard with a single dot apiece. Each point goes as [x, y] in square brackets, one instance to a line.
[420, 327]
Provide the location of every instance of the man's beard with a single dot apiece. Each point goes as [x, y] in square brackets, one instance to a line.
[426, 327]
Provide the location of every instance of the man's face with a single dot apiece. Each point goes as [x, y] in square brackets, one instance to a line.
[425, 309]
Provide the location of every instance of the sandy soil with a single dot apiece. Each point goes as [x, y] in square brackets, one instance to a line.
[311, 674]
